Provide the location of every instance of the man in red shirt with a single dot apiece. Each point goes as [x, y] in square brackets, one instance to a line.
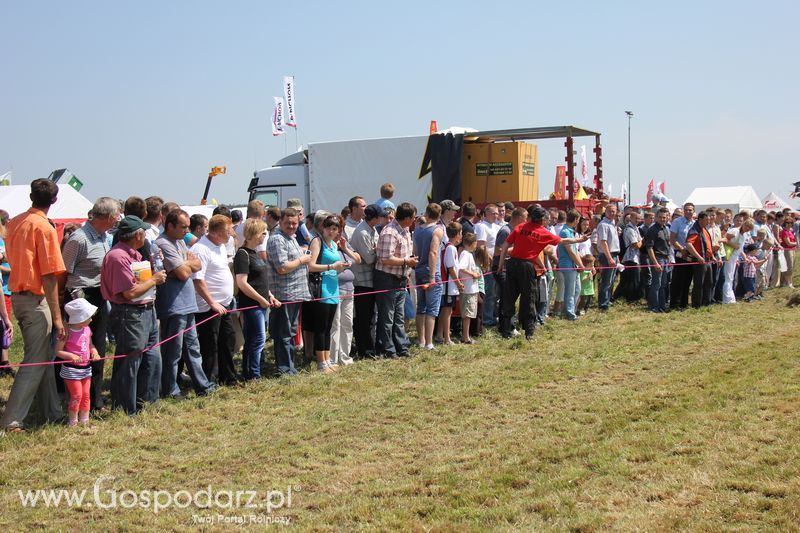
[522, 280]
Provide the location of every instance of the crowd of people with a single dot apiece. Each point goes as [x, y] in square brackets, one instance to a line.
[180, 296]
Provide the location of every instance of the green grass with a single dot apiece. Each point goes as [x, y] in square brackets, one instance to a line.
[622, 420]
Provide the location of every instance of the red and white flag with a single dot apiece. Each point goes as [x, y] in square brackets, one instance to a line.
[650, 191]
[660, 187]
[277, 117]
[288, 94]
[584, 166]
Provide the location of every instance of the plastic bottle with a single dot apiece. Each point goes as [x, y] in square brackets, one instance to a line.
[155, 258]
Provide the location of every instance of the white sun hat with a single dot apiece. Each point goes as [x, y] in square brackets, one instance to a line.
[79, 311]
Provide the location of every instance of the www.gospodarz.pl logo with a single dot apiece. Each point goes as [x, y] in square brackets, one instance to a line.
[156, 501]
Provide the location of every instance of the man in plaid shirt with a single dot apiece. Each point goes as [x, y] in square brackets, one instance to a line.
[287, 272]
[392, 267]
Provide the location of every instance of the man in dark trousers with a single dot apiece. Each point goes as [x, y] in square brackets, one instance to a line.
[522, 279]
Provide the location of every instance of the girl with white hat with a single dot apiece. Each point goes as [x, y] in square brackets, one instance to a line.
[77, 349]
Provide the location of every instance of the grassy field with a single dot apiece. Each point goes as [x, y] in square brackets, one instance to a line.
[620, 421]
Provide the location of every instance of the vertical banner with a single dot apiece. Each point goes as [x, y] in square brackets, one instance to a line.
[624, 193]
[288, 94]
[584, 166]
[560, 187]
[650, 191]
[660, 187]
[277, 117]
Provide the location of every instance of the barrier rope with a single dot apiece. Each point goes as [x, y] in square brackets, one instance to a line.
[423, 286]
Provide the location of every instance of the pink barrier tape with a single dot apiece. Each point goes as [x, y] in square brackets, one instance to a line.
[340, 297]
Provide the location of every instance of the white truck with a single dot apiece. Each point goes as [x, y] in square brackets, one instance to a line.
[327, 174]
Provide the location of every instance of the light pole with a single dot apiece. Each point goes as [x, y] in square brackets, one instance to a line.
[630, 195]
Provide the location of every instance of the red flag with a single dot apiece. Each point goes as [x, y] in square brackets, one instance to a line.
[650, 190]
[661, 186]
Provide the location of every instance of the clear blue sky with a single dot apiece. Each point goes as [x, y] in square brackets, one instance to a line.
[144, 97]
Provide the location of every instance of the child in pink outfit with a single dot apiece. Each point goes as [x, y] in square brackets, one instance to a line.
[77, 350]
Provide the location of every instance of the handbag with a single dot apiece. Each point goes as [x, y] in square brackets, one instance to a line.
[6, 339]
[315, 278]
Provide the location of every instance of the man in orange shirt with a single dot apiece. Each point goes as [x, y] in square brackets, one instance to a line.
[701, 252]
[36, 265]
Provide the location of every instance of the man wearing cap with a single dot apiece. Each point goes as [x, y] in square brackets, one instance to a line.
[449, 210]
[36, 264]
[83, 254]
[363, 241]
[136, 377]
[522, 280]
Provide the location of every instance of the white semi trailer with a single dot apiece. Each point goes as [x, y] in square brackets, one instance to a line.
[327, 174]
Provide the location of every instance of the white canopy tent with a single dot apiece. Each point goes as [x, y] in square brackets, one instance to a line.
[736, 199]
[71, 205]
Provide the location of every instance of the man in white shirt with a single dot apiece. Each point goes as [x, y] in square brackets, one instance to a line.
[486, 231]
[153, 217]
[213, 285]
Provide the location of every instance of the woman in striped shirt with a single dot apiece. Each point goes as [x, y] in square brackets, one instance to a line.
[77, 350]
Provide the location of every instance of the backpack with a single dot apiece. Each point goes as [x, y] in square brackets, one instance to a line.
[443, 269]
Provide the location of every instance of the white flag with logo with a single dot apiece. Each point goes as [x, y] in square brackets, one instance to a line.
[584, 166]
[288, 94]
[277, 117]
[624, 192]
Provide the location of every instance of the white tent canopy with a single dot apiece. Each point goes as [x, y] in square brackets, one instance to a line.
[70, 204]
[736, 199]
[773, 202]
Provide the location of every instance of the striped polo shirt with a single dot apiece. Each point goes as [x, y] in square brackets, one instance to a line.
[83, 257]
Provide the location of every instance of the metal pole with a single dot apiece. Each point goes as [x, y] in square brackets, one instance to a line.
[630, 195]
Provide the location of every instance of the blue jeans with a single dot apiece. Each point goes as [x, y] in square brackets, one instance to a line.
[282, 329]
[136, 378]
[255, 335]
[185, 345]
[607, 277]
[543, 305]
[490, 301]
[568, 278]
[657, 294]
[429, 300]
[749, 285]
[390, 332]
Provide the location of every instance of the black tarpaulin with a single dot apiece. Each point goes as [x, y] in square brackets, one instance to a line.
[443, 160]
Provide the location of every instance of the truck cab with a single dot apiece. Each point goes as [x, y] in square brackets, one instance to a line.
[288, 178]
